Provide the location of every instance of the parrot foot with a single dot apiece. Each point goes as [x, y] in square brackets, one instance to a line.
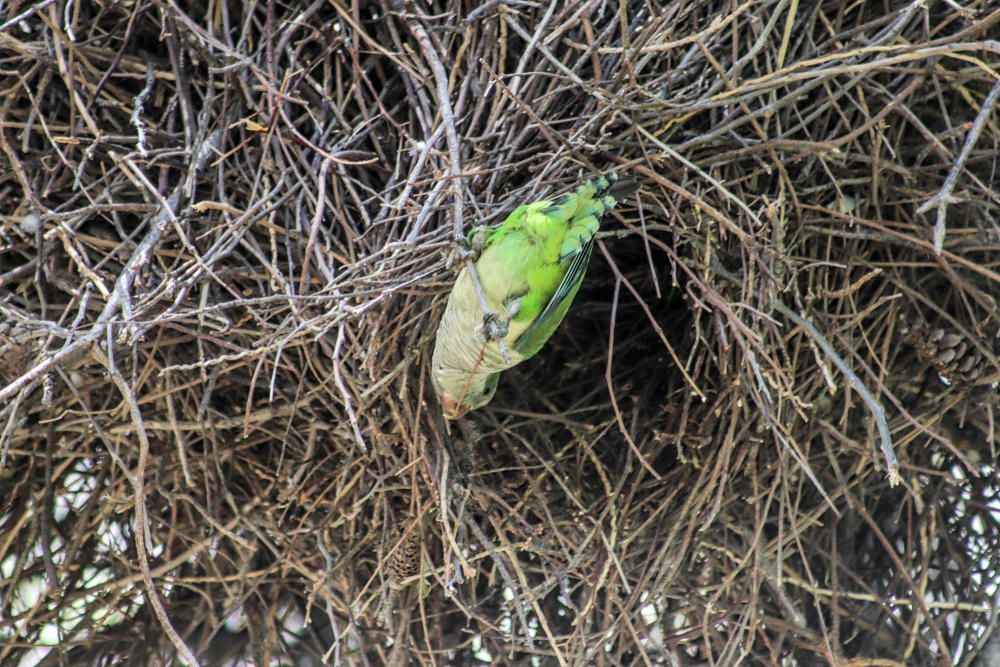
[477, 238]
[496, 327]
[459, 254]
[469, 248]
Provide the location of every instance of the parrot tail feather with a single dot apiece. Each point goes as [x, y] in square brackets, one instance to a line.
[617, 188]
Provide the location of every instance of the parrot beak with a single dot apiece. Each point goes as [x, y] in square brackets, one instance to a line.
[452, 408]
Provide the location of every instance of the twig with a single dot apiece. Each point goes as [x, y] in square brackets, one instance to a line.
[505, 574]
[873, 405]
[491, 330]
[25, 15]
[141, 524]
[448, 118]
[140, 100]
[611, 387]
[944, 197]
[338, 379]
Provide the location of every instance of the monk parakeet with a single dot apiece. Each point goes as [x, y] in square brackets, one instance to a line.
[510, 300]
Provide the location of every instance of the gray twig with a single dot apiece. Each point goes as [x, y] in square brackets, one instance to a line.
[140, 101]
[873, 405]
[493, 329]
[447, 117]
[852, 378]
[944, 197]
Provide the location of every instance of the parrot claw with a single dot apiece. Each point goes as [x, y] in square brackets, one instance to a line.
[459, 255]
[469, 248]
[477, 238]
[495, 327]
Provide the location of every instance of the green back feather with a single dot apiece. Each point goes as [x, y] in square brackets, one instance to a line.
[542, 328]
[547, 224]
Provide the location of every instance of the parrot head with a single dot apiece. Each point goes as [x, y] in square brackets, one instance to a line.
[461, 392]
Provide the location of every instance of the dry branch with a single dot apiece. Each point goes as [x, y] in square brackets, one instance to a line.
[226, 236]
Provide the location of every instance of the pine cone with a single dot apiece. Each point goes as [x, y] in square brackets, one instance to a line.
[16, 351]
[950, 353]
[405, 559]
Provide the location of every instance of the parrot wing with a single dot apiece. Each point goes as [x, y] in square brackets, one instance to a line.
[542, 328]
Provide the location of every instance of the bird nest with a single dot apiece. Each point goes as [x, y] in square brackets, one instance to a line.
[765, 434]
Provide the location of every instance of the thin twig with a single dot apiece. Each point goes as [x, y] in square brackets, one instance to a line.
[493, 329]
[448, 118]
[944, 197]
[141, 525]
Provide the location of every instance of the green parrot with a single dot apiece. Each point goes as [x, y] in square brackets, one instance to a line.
[507, 303]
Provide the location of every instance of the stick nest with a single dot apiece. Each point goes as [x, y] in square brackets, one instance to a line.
[227, 237]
